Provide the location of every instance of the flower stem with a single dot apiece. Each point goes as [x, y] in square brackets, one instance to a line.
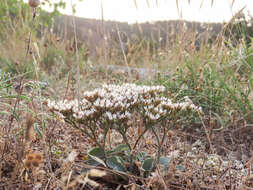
[158, 144]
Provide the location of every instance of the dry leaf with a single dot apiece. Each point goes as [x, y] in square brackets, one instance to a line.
[72, 156]
[98, 160]
[86, 157]
[170, 133]
[149, 142]
[26, 176]
[97, 173]
[92, 183]
[133, 186]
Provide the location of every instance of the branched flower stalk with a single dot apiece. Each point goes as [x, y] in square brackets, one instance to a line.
[113, 106]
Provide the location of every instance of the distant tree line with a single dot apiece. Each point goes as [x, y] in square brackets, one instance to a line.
[160, 35]
[98, 35]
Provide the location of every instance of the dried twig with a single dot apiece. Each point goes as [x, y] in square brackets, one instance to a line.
[207, 135]
[123, 51]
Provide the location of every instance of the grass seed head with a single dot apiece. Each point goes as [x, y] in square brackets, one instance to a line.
[34, 3]
[33, 160]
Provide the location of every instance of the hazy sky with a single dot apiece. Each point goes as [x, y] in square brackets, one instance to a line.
[149, 10]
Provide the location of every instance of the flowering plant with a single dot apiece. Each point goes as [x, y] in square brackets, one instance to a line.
[114, 106]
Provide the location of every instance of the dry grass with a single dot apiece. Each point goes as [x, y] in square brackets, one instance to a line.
[41, 151]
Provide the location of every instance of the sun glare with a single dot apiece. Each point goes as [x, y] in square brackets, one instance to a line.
[152, 10]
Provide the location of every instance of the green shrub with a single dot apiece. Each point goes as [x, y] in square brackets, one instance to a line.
[222, 86]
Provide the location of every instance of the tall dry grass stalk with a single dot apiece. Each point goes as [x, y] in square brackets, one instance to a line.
[21, 81]
[225, 27]
[123, 51]
[104, 42]
[77, 56]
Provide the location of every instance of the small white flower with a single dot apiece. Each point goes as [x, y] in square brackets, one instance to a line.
[109, 115]
[126, 99]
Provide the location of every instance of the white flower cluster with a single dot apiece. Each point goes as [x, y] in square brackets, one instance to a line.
[118, 103]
